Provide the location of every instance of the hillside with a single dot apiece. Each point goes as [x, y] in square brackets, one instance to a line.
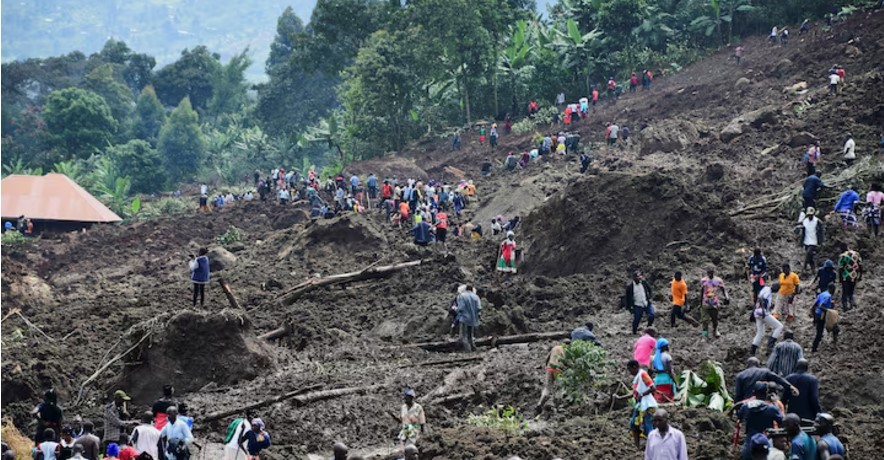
[703, 149]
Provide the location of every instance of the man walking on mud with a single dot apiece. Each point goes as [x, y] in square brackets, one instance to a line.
[469, 308]
[638, 298]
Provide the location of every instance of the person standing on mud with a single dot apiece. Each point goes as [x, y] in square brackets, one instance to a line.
[785, 355]
[679, 291]
[176, 436]
[145, 437]
[747, 379]
[665, 442]
[763, 317]
[115, 414]
[811, 189]
[710, 287]
[849, 273]
[790, 285]
[48, 415]
[552, 362]
[807, 403]
[161, 406]
[757, 268]
[813, 232]
[641, 422]
[638, 298]
[828, 444]
[469, 308]
[199, 275]
[757, 416]
[413, 419]
[821, 308]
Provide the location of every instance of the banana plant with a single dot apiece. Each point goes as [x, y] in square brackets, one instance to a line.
[19, 167]
[328, 131]
[513, 59]
[576, 49]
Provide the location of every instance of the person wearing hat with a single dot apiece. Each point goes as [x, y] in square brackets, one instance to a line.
[664, 376]
[413, 419]
[8, 227]
[828, 444]
[256, 439]
[812, 234]
[115, 414]
[759, 447]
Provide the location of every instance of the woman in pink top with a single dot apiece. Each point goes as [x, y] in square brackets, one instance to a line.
[872, 212]
[644, 347]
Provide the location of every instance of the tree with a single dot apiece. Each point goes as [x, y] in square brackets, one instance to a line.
[328, 132]
[513, 60]
[181, 143]
[288, 27]
[617, 20]
[103, 81]
[78, 121]
[577, 50]
[149, 116]
[192, 76]
[140, 162]
[229, 88]
[337, 29]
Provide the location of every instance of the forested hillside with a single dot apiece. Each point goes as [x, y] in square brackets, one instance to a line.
[361, 79]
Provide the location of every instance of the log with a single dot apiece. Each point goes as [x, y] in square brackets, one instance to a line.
[444, 362]
[225, 286]
[107, 365]
[491, 341]
[277, 333]
[263, 403]
[367, 273]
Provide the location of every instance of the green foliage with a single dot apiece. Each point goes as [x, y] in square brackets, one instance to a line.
[149, 116]
[116, 197]
[232, 235]
[78, 121]
[503, 418]
[288, 26]
[192, 76]
[541, 120]
[19, 167]
[229, 86]
[104, 82]
[181, 143]
[584, 366]
[706, 387]
[13, 238]
[165, 207]
[140, 162]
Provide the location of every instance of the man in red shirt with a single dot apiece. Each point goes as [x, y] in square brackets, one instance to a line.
[633, 82]
[442, 228]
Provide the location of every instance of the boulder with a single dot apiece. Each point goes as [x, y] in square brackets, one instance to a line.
[756, 119]
[667, 137]
[742, 83]
[733, 130]
[220, 259]
[802, 138]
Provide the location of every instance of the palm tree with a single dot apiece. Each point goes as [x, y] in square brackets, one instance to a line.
[19, 167]
[514, 57]
[576, 49]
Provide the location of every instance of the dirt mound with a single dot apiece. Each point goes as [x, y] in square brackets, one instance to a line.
[621, 219]
[196, 348]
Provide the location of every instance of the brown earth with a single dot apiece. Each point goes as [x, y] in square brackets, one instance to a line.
[700, 148]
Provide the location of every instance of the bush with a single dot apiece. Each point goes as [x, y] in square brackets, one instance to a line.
[584, 366]
[232, 235]
[543, 117]
[504, 418]
[165, 207]
[13, 238]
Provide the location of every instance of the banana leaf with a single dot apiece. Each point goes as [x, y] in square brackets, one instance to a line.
[706, 387]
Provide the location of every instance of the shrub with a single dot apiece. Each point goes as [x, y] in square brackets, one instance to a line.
[543, 117]
[232, 235]
[13, 238]
[504, 418]
[584, 366]
[165, 207]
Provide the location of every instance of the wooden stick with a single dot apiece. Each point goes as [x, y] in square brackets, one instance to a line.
[444, 361]
[277, 333]
[32, 325]
[369, 272]
[266, 402]
[227, 292]
[491, 341]
[107, 365]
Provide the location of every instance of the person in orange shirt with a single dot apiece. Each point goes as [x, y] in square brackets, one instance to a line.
[789, 286]
[403, 212]
[679, 294]
[442, 228]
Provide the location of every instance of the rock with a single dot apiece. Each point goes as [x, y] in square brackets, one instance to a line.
[742, 83]
[667, 137]
[756, 119]
[714, 172]
[852, 51]
[220, 259]
[783, 68]
[389, 329]
[730, 132]
[797, 88]
[802, 138]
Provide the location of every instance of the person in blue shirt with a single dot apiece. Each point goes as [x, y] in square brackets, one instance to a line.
[354, 183]
[812, 186]
[757, 266]
[199, 275]
[372, 183]
[828, 443]
[757, 415]
[256, 439]
[825, 276]
[845, 205]
[469, 308]
[821, 306]
[421, 233]
[803, 445]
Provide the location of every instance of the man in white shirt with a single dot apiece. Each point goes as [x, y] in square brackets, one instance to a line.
[665, 442]
[834, 80]
[812, 232]
[849, 147]
[145, 436]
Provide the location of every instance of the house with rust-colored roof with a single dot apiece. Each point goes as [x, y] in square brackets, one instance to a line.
[53, 201]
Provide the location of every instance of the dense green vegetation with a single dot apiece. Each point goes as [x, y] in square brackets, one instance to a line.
[361, 79]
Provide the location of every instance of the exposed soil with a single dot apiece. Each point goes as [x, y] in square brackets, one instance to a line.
[699, 149]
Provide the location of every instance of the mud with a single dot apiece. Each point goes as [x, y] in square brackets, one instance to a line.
[661, 204]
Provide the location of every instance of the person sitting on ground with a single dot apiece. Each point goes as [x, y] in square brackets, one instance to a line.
[552, 370]
[413, 419]
[585, 333]
[664, 376]
[828, 444]
[646, 405]
[745, 381]
[665, 442]
[785, 355]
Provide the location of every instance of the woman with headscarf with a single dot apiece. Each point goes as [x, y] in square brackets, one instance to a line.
[256, 439]
[507, 261]
[664, 377]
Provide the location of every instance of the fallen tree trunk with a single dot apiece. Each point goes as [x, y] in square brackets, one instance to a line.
[266, 402]
[491, 341]
[277, 333]
[367, 273]
[227, 292]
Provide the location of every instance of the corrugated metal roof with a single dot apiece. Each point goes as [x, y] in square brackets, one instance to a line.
[51, 197]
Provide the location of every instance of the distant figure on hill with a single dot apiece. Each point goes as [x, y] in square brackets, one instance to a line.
[738, 53]
[199, 275]
[872, 211]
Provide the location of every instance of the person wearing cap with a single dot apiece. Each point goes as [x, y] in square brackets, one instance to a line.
[812, 234]
[413, 419]
[664, 376]
[115, 412]
[637, 298]
[757, 416]
[145, 436]
[256, 439]
[112, 452]
[710, 286]
[759, 447]
[8, 227]
[828, 444]
[785, 355]
[665, 442]
[825, 276]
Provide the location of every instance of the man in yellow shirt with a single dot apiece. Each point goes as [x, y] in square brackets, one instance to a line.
[789, 286]
[679, 294]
